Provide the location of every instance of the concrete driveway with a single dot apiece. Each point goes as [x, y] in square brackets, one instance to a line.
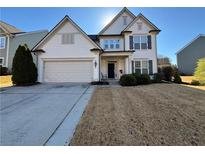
[30, 115]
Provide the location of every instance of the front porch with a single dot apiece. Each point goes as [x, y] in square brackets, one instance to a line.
[113, 67]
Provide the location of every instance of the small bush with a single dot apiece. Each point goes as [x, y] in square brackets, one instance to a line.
[177, 78]
[199, 74]
[195, 82]
[143, 79]
[157, 78]
[127, 80]
[3, 70]
[167, 73]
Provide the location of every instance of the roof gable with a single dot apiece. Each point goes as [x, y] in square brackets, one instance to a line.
[7, 28]
[140, 16]
[192, 41]
[66, 18]
[124, 10]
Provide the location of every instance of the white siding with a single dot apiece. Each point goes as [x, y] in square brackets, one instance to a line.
[118, 25]
[54, 49]
[150, 54]
[112, 38]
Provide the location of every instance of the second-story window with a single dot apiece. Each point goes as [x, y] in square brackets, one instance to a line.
[111, 44]
[140, 42]
[2, 42]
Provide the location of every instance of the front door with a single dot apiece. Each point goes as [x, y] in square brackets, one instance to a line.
[111, 70]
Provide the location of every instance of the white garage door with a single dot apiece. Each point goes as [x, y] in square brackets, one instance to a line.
[68, 71]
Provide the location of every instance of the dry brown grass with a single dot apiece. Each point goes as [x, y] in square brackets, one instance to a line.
[157, 114]
[5, 81]
[188, 79]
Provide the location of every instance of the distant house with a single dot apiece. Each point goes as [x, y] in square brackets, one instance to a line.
[11, 37]
[188, 56]
[163, 62]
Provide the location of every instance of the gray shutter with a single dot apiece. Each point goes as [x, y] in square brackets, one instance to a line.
[150, 67]
[149, 38]
[133, 67]
[131, 42]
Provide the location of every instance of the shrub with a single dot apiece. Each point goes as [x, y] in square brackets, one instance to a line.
[127, 80]
[199, 73]
[157, 78]
[177, 78]
[195, 82]
[24, 70]
[142, 78]
[167, 73]
[3, 70]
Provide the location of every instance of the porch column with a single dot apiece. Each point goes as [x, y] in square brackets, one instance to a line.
[126, 65]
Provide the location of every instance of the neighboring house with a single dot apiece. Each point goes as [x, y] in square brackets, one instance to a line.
[126, 45]
[163, 62]
[11, 38]
[189, 55]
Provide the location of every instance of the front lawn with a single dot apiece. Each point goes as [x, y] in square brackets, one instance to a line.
[5, 81]
[188, 79]
[156, 114]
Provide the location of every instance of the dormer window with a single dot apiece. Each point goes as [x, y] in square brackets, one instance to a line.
[124, 20]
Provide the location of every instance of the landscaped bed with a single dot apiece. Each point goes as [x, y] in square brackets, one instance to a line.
[156, 114]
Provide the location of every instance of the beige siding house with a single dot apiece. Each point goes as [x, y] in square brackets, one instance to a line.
[126, 45]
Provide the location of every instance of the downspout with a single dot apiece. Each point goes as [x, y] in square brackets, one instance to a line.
[99, 65]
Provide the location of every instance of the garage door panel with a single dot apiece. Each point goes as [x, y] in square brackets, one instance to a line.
[68, 71]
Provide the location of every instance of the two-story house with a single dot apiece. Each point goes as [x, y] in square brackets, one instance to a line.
[126, 45]
[11, 37]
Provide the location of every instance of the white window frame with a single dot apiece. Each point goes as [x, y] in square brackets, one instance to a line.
[2, 64]
[3, 37]
[107, 42]
[141, 68]
[140, 36]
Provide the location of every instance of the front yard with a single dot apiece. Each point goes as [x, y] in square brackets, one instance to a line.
[5, 81]
[156, 114]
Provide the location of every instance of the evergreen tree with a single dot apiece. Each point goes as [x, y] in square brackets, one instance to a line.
[24, 70]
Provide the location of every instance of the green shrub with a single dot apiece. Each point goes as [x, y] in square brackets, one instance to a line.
[127, 80]
[157, 78]
[177, 78]
[199, 73]
[142, 78]
[167, 73]
[195, 82]
[3, 70]
[24, 70]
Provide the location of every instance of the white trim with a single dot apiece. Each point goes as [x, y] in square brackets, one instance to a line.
[141, 65]
[7, 52]
[144, 18]
[3, 37]
[198, 36]
[140, 35]
[2, 61]
[58, 25]
[32, 32]
[115, 18]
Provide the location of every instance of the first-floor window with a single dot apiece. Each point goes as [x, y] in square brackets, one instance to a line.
[141, 66]
[2, 42]
[1, 61]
